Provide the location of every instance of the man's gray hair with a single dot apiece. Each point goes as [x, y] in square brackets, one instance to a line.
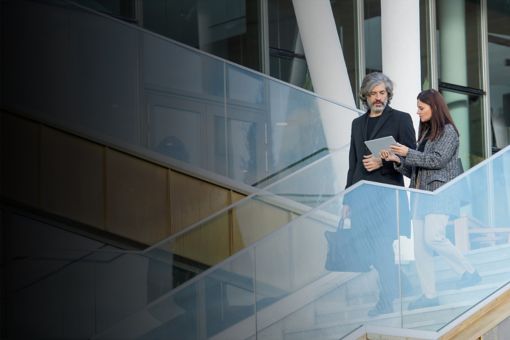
[370, 81]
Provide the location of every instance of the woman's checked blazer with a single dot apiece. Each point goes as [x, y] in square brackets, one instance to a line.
[431, 169]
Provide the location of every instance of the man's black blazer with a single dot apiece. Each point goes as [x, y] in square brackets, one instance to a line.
[373, 210]
[391, 123]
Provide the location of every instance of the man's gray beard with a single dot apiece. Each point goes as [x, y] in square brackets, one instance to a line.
[376, 109]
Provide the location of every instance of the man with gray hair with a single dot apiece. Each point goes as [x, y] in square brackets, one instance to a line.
[376, 219]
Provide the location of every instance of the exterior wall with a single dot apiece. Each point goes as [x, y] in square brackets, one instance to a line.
[96, 185]
[124, 195]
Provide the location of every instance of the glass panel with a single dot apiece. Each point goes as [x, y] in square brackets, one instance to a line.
[252, 218]
[207, 307]
[270, 126]
[472, 235]
[346, 19]
[291, 69]
[287, 59]
[317, 182]
[498, 17]
[373, 49]
[174, 19]
[59, 284]
[225, 28]
[180, 107]
[156, 97]
[168, 137]
[285, 277]
[121, 9]
[189, 72]
[425, 53]
[459, 42]
[467, 113]
[247, 112]
[243, 142]
[324, 300]
[295, 130]
[338, 306]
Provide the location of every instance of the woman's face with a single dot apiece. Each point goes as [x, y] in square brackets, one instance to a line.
[424, 111]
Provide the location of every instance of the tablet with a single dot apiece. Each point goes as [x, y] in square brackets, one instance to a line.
[376, 145]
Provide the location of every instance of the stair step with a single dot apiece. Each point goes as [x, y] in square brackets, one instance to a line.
[344, 309]
[327, 309]
[495, 277]
[430, 319]
[333, 320]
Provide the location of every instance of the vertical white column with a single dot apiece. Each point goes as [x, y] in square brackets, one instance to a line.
[330, 79]
[400, 35]
[400, 44]
[326, 63]
[454, 67]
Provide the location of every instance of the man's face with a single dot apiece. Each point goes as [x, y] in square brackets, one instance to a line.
[377, 98]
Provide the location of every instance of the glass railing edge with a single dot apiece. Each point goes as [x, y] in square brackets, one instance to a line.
[466, 173]
[228, 62]
[313, 211]
[465, 316]
[265, 191]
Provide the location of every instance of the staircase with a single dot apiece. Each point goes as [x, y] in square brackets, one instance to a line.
[335, 315]
[274, 286]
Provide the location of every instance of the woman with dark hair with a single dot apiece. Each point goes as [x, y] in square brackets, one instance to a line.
[431, 165]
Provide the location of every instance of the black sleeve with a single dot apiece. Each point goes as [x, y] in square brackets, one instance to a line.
[406, 133]
[352, 159]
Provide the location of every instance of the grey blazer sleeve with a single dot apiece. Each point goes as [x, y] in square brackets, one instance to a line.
[437, 164]
[437, 153]
[403, 168]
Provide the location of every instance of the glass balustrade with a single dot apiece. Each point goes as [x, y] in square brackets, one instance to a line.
[116, 284]
[279, 287]
[223, 234]
[256, 269]
[119, 84]
[278, 284]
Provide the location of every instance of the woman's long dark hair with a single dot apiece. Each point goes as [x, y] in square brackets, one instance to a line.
[440, 115]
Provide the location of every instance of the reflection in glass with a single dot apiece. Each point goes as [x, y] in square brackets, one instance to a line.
[373, 49]
[244, 146]
[498, 17]
[459, 42]
[425, 52]
[278, 284]
[286, 53]
[121, 9]
[346, 22]
[467, 113]
[225, 28]
[459, 56]
[170, 139]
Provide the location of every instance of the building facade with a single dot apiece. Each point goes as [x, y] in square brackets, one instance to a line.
[142, 139]
[463, 45]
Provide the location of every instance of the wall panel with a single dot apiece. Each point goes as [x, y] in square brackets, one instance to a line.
[72, 177]
[136, 198]
[19, 161]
